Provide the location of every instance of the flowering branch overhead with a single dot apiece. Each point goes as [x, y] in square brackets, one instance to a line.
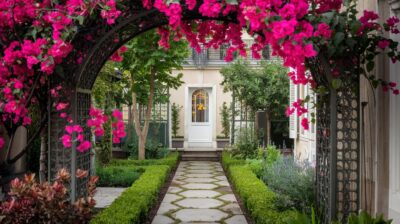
[36, 37]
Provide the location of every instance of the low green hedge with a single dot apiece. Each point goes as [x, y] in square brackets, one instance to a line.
[135, 202]
[170, 160]
[228, 160]
[257, 197]
[118, 176]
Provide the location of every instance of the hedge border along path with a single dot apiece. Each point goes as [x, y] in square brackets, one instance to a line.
[200, 192]
[255, 195]
[135, 202]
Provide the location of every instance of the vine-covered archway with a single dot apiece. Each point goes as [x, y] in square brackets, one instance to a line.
[337, 177]
[54, 55]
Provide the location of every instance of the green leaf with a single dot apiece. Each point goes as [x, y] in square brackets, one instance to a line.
[370, 66]
[336, 83]
[80, 19]
[339, 37]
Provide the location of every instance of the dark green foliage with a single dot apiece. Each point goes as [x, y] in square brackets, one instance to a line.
[246, 144]
[261, 88]
[175, 119]
[134, 203]
[257, 197]
[225, 120]
[365, 218]
[170, 160]
[117, 176]
[293, 183]
[104, 146]
[154, 150]
[272, 155]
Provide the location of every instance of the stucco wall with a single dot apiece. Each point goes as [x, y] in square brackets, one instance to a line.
[207, 77]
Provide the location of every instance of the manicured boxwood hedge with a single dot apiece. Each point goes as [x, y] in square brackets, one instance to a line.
[256, 196]
[170, 160]
[135, 202]
[118, 176]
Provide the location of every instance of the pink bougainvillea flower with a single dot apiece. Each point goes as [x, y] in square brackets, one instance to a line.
[61, 106]
[323, 30]
[66, 141]
[305, 123]
[84, 146]
[117, 114]
[383, 44]
[289, 111]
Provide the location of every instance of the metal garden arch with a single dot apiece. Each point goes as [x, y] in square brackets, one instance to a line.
[337, 179]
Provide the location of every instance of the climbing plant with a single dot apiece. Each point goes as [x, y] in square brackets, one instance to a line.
[37, 37]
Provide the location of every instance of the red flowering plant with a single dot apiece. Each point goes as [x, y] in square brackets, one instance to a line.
[31, 202]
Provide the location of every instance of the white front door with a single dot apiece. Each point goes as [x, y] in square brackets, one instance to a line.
[200, 117]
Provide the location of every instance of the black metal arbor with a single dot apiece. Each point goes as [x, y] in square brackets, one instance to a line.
[338, 133]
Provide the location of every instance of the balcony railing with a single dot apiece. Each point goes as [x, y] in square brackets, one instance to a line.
[216, 57]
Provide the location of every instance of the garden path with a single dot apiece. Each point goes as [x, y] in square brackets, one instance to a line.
[199, 193]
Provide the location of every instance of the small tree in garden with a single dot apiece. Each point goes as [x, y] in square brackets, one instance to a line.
[175, 119]
[225, 120]
[260, 88]
[149, 67]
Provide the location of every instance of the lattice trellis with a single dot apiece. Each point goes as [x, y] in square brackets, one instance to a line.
[338, 145]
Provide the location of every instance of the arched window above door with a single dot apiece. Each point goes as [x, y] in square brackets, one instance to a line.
[200, 106]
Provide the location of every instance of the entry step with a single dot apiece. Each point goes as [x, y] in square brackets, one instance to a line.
[200, 155]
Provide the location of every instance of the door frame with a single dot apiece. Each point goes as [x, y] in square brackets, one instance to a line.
[213, 111]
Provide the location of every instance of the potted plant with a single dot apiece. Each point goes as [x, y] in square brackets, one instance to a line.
[177, 141]
[223, 140]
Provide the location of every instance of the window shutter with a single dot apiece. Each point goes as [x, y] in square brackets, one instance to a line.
[293, 117]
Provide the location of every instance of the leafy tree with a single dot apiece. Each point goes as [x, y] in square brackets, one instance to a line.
[149, 67]
[264, 87]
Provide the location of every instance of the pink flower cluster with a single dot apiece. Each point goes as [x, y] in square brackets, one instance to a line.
[118, 126]
[97, 120]
[49, 28]
[117, 56]
[68, 138]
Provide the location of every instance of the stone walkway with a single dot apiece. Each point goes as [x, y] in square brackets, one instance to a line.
[106, 195]
[199, 193]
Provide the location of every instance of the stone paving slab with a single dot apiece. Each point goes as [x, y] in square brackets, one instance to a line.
[199, 193]
[106, 195]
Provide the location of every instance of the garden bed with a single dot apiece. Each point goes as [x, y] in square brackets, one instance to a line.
[257, 198]
[136, 203]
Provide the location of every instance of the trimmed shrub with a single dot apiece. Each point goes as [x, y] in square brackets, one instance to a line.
[135, 202]
[118, 176]
[228, 160]
[170, 160]
[257, 197]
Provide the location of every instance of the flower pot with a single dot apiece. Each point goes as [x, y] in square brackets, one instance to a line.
[222, 142]
[177, 143]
